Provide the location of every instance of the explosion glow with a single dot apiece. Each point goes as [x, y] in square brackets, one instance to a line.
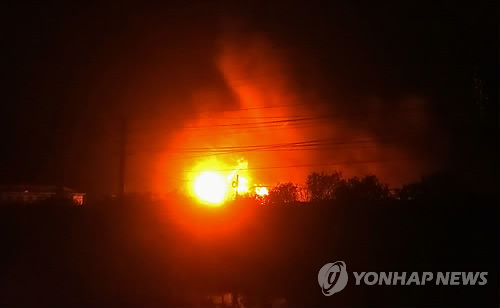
[214, 181]
[242, 185]
[210, 187]
[261, 191]
[241, 182]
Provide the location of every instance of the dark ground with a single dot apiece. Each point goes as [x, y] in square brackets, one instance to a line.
[141, 253]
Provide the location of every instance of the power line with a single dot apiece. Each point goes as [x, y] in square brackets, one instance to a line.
[266, 107]
[260, 149]
[296, 143]
[281, 122]
[313, 165]
[261, 123]
[319, 144]
[289, 120]
[258, 117]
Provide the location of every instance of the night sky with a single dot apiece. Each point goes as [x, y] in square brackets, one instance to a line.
[73, 71]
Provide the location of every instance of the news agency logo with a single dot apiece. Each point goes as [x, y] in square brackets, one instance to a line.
[332, 277]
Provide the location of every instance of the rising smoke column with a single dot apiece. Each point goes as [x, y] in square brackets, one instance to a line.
[365, 134]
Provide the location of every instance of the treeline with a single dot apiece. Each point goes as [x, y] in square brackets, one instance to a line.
[321, 186]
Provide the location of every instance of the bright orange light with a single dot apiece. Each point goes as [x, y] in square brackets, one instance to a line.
[242, 185]
[261, 191]
[210, 187]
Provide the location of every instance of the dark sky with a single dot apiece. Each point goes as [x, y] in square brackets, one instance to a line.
[72, 70]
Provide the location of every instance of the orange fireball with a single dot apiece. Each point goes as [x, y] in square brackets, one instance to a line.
[210, 187]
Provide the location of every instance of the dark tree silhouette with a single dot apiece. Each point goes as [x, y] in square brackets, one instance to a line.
[323, 186]
[283, 193]
[410, 192]
[366, 188]
[438, 186]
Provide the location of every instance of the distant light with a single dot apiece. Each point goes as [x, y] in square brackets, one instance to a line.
[261, 191]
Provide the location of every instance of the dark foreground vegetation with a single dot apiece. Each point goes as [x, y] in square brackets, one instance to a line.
[138, 253]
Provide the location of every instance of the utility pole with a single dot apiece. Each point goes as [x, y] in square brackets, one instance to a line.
[237, 185]
[123, 156]
[480, 96]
